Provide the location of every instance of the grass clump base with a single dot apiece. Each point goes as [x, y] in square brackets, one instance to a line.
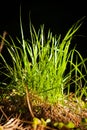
[17, 115]
[42, 72]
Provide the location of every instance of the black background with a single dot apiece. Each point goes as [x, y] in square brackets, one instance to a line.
[56, 15]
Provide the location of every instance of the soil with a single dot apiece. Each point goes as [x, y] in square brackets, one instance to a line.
[31, 113]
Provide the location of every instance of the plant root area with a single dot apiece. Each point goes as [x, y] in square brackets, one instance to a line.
[15, 114]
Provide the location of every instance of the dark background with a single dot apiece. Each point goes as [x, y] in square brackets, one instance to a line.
[56, 15]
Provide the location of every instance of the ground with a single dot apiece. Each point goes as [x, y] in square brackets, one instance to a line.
[29, 112]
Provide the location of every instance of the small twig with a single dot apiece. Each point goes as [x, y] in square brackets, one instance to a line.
[28, 102]
[2, 41]
[4, 113]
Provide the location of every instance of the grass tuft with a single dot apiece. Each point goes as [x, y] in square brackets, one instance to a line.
[41, 62]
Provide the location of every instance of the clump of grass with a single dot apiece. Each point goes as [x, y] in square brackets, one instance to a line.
[40, 63]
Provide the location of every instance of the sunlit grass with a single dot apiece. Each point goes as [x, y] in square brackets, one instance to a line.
[40, 63]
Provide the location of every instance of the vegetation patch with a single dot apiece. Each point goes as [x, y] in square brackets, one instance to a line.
[42, 72]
